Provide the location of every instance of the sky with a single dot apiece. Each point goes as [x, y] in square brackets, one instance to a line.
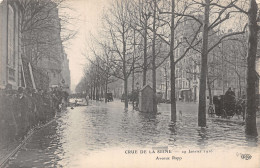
[87, 14]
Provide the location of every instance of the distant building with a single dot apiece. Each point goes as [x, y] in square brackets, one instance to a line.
[10, 44]
[65, 73]
[187, 69]
[44, 47]
[226, 67]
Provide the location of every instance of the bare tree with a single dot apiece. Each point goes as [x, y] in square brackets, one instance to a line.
[215, 14]
[105, 64]
[121, 36]
[190, 41]
[251, 71]
[140, 23]
[41, 27]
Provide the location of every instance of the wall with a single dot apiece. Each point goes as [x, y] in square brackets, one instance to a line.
[9, 73]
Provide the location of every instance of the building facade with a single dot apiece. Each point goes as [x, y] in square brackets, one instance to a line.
[226, 66]
[10, 44]
[44, 48]
[65, 73]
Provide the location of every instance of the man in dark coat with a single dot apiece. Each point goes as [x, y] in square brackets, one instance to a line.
[31, 107]
[230, 100]
[40, 106]
[46, 106]
[7, 111]
[21, 108]
[10, 118]
[230, 95]
[66, 96]
[55, 102]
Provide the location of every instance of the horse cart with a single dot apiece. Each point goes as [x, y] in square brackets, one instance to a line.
[226, 108]
[109, 97]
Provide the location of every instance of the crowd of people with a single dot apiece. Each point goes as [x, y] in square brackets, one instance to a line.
[24, 109]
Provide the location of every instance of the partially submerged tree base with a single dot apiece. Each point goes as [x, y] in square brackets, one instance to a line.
[251, 70]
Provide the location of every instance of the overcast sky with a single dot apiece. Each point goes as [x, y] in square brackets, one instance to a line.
[87, 13]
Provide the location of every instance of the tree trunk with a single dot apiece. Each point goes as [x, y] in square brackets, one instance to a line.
[97, 91]
[133, 87]
[172, 64]
[251, 71]
[240, 87]
[166, 83]
[210, 94]
[203, 71]
[145, 54]
[124, 72]
[91, 91]
[153, 61]
[101, 92]
[94, 91]
[106, 90]
[126, 93]
[133, 74]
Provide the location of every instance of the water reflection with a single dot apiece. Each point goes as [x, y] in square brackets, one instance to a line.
[202, 137]
[149, 128]
[173, 128]
[172, 135]
[252, 141]
[82, 131]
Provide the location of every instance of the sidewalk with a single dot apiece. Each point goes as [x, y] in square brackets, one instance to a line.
[7, 150]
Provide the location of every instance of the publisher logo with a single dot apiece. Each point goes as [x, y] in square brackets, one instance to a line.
[244, 156]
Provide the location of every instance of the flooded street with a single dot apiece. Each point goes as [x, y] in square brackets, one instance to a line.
[87, 130]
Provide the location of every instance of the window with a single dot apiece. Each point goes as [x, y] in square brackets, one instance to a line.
[11, 43]
[11, 28]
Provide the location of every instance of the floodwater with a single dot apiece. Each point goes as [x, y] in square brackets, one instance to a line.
[85, 130]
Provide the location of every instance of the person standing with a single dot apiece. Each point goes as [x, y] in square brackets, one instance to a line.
[10, 119]
[41, 111]
[35, 96]
[46, 106]
[22, 112]
[31, 107]
[65, 98]
[230, 95]
[55, 104]
[87, 100]
[230, 100]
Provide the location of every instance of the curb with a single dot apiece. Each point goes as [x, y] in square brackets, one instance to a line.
[6, 158]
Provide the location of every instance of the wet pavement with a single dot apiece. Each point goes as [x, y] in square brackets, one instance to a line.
[85, 130]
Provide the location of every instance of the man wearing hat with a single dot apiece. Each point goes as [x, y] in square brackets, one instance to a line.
[7, 110]
[31, 107]
[22, 112]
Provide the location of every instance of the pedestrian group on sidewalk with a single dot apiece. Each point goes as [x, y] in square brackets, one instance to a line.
[23, 109]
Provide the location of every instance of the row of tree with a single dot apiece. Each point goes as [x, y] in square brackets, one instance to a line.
[44, 29]
[141, 35]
